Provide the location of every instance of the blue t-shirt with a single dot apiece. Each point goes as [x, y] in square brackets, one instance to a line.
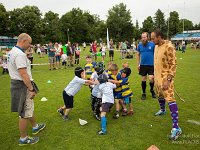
[146, 53]
[51, 54]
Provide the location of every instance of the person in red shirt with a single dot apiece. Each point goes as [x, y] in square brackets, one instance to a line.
[94, 50]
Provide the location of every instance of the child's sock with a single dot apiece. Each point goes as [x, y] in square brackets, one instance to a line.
[36, 127]
[103, 123]
[125, 110]
[174, 114]
[23, 139]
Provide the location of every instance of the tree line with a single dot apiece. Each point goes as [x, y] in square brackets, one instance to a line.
[81, 26]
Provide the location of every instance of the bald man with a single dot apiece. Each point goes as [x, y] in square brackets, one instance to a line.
[22, 90]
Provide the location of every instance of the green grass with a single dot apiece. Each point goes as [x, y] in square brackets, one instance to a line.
[125, 133]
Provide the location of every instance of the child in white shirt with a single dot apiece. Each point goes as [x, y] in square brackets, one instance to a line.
[106, 88]
[71, 90]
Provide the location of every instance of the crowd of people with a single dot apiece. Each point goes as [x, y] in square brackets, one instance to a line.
[155, 59]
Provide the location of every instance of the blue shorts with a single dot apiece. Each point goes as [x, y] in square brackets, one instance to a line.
[117, 95]
[58, 58]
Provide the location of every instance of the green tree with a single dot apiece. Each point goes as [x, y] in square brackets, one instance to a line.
[119, 23]
[136, 31]
[101, 29]
[188, 25]
[148, 25]
[159, 21]
[28, 20]
[81, 25]
[4, 16]
[173, 23]
[51, 30]
[196, 27]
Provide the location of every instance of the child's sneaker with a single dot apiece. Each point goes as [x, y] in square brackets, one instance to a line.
[124, 113]
[101, 132]
[40, 127]
[60, 110]
[130, 113]
[29, 140]
[66, 118]
[97, 117]
[116, 115]
[160, 112]
[175, 133]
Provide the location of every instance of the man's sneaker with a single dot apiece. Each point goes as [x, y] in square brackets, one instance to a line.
[101, 132]
[143, 96]
[40, 128]
[97, 117]
[66, 118]
[60, 110]
[160, 112]
[175, 133]
[124, 113]
[29, 140]
[153, 94]
[116, 115]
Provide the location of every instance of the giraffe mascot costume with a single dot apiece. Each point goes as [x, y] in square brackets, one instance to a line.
[164, 73]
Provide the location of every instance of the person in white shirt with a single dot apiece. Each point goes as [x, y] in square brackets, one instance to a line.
[103, 52]
[39, 50]
[22, 89]
[84, 46]
[4, 65]
[106, 89]
[57, 55]
[64, 60]
[77, 54]
[71, 90]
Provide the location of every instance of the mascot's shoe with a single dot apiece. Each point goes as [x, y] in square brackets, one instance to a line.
[101, 132]
[175, 133]
[40, 128]
[160, 112]
[29, 140]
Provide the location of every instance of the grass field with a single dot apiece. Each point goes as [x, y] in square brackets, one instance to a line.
[126, 133]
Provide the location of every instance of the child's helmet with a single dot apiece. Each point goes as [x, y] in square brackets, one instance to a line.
[101, 65]
[127, 71]
[102, 78]
[99, 70]
[78, 71]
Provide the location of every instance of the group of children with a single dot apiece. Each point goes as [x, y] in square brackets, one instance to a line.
[107, 87]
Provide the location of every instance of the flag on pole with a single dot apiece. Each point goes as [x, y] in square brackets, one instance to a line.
[108, 45]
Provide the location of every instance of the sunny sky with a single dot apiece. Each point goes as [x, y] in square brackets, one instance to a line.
[140, 9]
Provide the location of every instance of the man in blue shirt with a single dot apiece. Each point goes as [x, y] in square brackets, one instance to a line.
[52, 58]
[145, 62]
